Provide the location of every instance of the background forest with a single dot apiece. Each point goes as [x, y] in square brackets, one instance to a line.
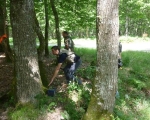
[78, 17]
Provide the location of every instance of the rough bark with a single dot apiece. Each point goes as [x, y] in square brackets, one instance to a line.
[56, 22]
[46, 28]
[28, 80]
[105, 84]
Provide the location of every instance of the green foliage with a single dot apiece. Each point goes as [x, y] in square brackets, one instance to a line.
[133, 83]
[87, 72]
[89, 57]
[26, 112]
[132, 14]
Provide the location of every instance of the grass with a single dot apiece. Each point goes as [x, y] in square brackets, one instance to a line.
[133, 84]
[129, 39]
[133, 102]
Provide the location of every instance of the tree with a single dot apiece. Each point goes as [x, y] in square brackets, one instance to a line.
[28, 80]
[41, 38]
[134, 17]
[105, 84]
[46, 27]
[52, 2]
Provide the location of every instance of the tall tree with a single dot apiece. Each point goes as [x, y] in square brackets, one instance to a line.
[40, 35]
[105, 84]
[52, 2]
[28, 80]
[46, 27]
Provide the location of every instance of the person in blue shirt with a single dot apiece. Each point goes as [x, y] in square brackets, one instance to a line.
[70, 67]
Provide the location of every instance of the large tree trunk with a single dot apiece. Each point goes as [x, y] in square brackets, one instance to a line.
[28, 80]
[4, 46]
[105, 84]
[46, 28]
[56, 22]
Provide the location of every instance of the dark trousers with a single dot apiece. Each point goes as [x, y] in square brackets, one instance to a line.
[69, 70]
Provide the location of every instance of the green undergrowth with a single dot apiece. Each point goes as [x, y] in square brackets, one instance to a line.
[73, 102]
[132, 102]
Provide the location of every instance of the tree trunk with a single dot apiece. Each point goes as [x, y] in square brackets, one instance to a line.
[56, 22]
[46, 28]
[40, 35]
[105, 84]
[4, 46]
[126, 26]
[28, 80]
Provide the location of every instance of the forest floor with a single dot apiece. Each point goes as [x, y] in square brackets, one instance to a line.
[6, 81]
[6, 76]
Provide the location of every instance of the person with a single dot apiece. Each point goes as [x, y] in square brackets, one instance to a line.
[70, 67]
[3, 37]
[119, 54]
[68, 42]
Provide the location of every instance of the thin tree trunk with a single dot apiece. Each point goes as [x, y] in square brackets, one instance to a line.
[28, 80]
[40, 35]
[126, 26]
[56, 22]
[105, 84]
[46, 28]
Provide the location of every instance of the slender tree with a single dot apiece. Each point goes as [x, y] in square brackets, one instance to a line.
[40, 35]
[28, 80]
[105, 84]
[52, 2]
[46, 27]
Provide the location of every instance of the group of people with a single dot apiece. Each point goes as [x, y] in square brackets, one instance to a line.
[71, 65]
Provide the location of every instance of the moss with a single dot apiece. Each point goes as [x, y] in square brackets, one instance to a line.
[94, 111]
[42, 74]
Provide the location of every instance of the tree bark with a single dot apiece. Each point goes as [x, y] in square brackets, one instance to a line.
[105, 84]
[56, 22]
[126, 26]
[40, 35]
[28, 80]
[46, 28]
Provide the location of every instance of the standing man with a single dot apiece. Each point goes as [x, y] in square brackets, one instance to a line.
[119, 54]
[69, 44]
[70, 67]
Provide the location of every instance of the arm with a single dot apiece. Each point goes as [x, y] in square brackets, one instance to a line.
[55, 73]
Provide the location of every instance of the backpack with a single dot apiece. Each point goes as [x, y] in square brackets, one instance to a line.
[70, 55]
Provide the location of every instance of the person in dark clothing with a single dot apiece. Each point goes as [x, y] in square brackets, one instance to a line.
[68, 42]
[70, 67]
[119, 54]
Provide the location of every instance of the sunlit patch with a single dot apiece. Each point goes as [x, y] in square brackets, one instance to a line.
[2, 55]
[33, 64]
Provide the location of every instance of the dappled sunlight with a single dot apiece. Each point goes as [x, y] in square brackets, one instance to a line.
[2, 55]
[55, 114]
[33, 64]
